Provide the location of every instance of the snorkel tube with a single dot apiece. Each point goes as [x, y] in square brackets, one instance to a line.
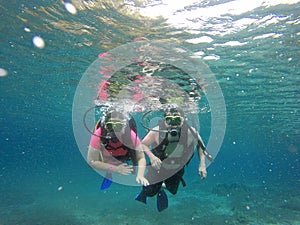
[201, 145]
[98, 123]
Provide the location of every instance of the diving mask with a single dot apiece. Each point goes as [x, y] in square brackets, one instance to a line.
[114, 126]
[173, 120]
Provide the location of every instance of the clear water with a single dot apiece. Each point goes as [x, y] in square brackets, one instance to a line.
[253, 51]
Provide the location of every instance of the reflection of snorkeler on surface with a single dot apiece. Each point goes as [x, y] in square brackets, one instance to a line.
[173, 142]
[146, 79]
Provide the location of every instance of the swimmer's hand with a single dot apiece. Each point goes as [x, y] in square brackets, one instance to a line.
[123, 169]
[155, 162]
[202, 172]
[142, 180]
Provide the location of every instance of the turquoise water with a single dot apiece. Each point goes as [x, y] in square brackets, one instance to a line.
[253, 53]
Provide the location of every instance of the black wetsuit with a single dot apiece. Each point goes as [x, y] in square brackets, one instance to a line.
[171, 177]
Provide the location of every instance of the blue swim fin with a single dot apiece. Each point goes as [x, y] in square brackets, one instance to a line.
[141, 197]
[106, 181]
[162, 200]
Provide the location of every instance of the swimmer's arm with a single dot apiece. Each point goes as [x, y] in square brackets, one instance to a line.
[140, 178]
[202, 166]
[149, 139]
[95, 160]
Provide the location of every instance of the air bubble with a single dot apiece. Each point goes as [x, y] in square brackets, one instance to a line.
[70, 8]
[38, 42]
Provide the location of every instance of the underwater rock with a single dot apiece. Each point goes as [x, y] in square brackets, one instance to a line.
[234, 189]
[292, 204]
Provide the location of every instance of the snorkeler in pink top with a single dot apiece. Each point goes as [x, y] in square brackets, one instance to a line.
[115, 148]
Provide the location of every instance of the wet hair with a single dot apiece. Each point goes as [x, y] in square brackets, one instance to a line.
[173, 109]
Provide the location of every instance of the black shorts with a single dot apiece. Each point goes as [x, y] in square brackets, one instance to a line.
[172, 184]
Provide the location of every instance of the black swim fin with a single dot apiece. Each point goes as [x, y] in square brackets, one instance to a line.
[142, 197]
[106, 181]
[162, 200]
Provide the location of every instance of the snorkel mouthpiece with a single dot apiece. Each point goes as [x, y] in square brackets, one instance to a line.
[173, 132]
[113, 137]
